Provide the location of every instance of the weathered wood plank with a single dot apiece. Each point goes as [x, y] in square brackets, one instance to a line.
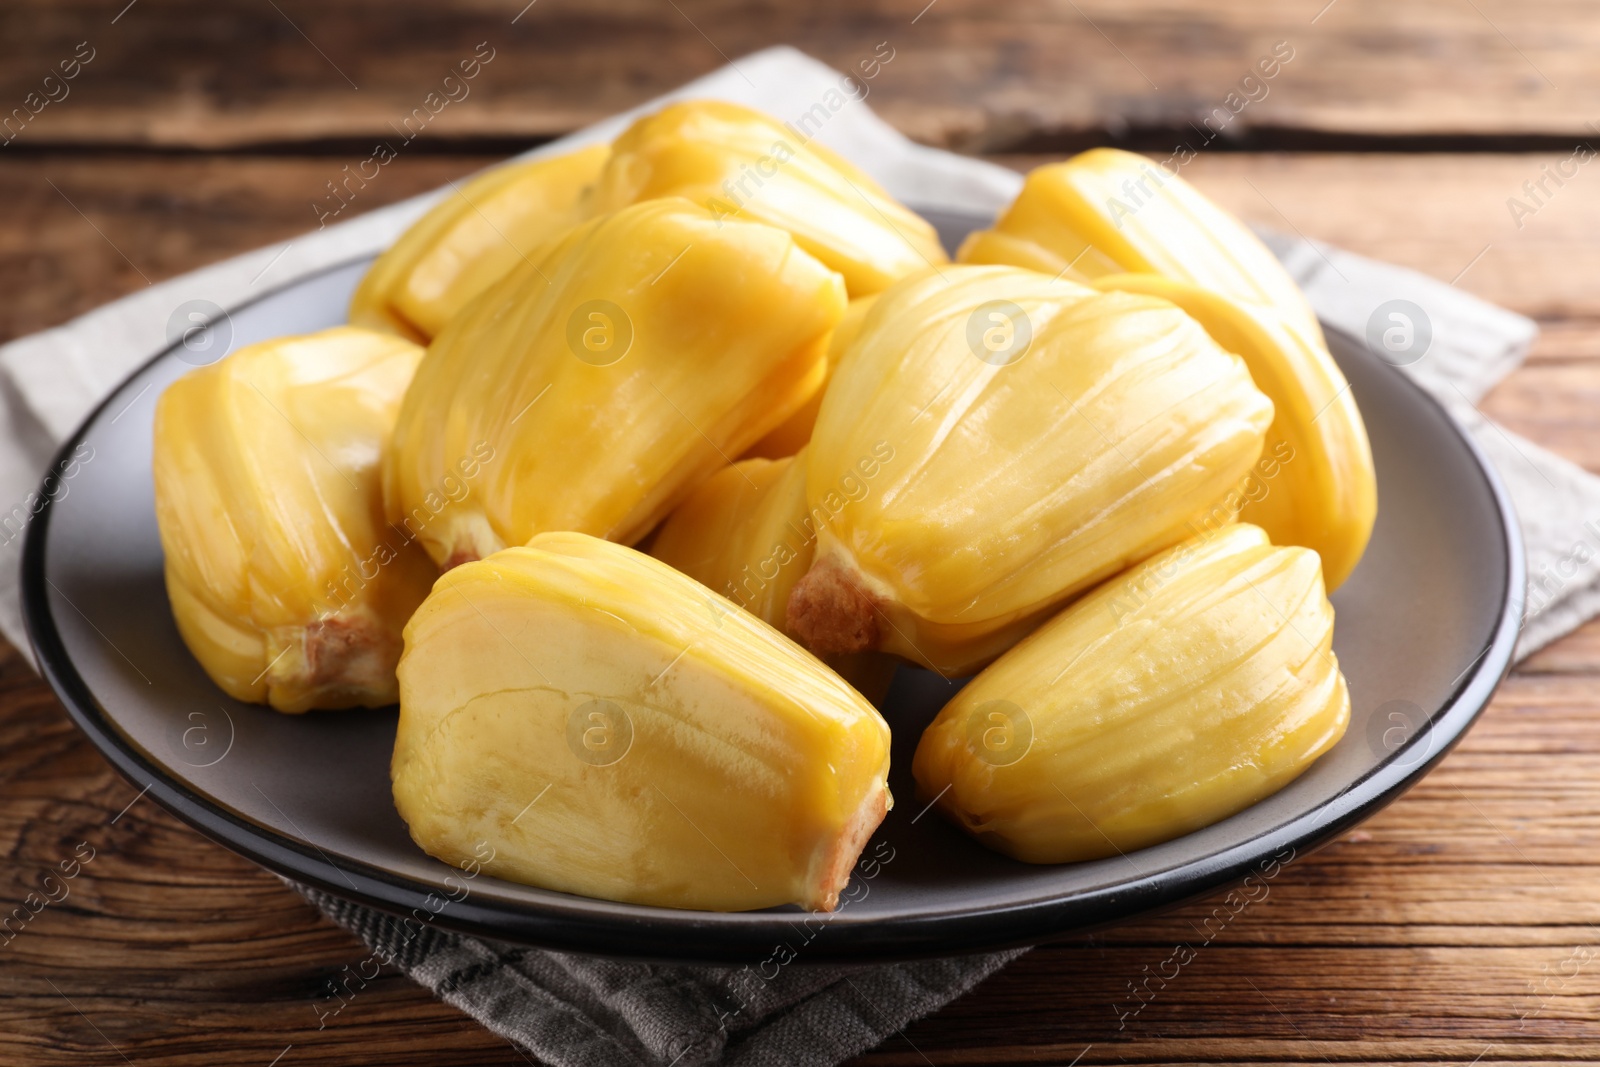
[983, 75]
[78, 232]
[1578, 653]
[1567, 341]
[1556, 405]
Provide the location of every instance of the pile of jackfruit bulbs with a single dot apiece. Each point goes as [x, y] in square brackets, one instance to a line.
[639, 469]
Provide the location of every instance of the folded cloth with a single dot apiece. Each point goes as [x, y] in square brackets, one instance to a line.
[581, 1011]
[575, 1011]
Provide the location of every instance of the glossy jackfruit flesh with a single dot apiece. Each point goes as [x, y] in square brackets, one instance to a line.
[742, 164]
[1174, 696]
[1315, 485]
[1028, 437]
[471, 239]
[1107, 211]
[601, 724]
[745, 534]
[792, 435]
[748, 533]
[285, 581]
[1119, 221]
[645, 351]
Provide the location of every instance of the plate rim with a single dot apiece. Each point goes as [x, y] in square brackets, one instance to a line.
[640, 932]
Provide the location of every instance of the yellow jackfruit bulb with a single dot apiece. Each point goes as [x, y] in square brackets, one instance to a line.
[285, 581]
[1106, 211]
[743, 534]
[471, 239]
[740, 163]
[1174, 696]
[997, 441]
[795, 431]
[1315, 485]
[593, 389]
[600, 724]
[746, 533]
[998, 248]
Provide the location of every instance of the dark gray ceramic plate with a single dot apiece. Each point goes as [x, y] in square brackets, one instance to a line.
[1425, 631]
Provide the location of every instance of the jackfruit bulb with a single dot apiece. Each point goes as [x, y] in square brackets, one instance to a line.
[285, 581]
[793, 433]
[1027, 438]
[471, 239]
[1107, 211]
[1118, 221]
[1315, 485]
[601, 724]
[645, 351]
[747, 532]
[1173, 696]
[743, 164]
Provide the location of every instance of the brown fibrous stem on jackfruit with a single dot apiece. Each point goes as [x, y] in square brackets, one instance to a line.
[830, 612]
[845, 849]
[343, 653]
[463, 554]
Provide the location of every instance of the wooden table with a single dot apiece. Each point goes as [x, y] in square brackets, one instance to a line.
[1456, 927]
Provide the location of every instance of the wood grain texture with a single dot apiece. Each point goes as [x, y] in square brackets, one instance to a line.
[76, 232]
[1457, 926]
[970, 73]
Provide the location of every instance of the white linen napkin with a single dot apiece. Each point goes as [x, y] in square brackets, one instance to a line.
[575, 1011]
